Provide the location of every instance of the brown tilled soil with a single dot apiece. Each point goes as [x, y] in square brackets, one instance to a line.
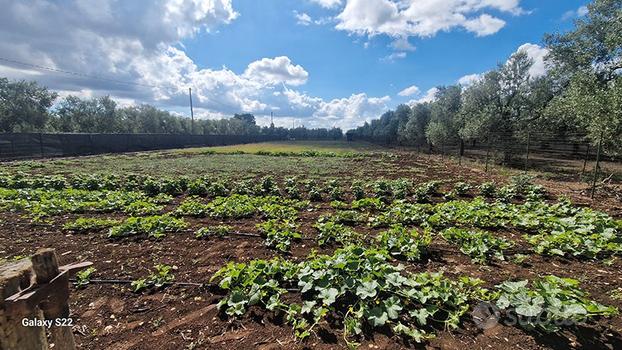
[110, 316]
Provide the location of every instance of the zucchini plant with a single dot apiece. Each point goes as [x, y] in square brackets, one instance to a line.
[551, 303]
[152, 226]
[85, 225]
[330, 232]
[480, 246]
[400, 242]
[354, 287]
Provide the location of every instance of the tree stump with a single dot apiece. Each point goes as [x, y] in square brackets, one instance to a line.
[13, 278]
[36, 289]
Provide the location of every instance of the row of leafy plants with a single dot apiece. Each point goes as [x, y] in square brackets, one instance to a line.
[362, 291]
[386, 190]
[550, 228]
[40, 203]
[305, 153]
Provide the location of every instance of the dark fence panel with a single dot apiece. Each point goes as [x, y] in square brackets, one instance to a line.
[570, 154]
[40, 145]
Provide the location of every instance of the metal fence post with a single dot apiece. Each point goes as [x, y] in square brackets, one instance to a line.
[41, 145]
[461, 152]
[528, 145]
[600, 144]
[587, 156]
[488, 150]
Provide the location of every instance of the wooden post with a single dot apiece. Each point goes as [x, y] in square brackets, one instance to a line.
[13, 278]
[45, 265]
[31, 290]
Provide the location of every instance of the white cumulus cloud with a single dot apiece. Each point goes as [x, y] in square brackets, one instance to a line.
[394, 56]
[303, 18]
[141, 42]
[424, 18]
[538, 54]
[469, 80]
[276, 70]
[429, 96]
[329, 4]
[580, 12]
[351, 111]
[402, 44]
[409, 91]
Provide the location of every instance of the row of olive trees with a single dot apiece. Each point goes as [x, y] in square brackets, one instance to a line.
[29, 107]
[581, 94]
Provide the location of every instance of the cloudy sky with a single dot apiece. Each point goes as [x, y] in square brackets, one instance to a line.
[316, 62]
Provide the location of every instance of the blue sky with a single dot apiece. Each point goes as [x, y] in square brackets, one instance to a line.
[319, 62]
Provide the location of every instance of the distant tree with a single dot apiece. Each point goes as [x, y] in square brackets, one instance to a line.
[95, 115]
[587, 62]
[443, 126]
[498, 104]
[413, 133]
[24, 106]
[593, 46]
[247, 118]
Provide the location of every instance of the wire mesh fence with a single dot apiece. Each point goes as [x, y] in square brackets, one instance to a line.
[571, 155]
[43, 145]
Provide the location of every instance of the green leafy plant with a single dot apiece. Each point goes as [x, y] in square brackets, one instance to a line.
[142, 208]
[521, 183]
[550, 305]
[152, 226]
[346, 217]
[410, 245]
[355, 287]
[425, 191]
[192, 206]
[358, 190]
[506, 193]
[367, 204]
[213, 231]
[404, 213]
[279, 233]
[268, 187]
[198, 187]
[291, 188]
[158, 279]
[84, 225]
[462, 188]
[487, 189]
[479, 245]
[474, 213]
[83, 277]
[331, 232]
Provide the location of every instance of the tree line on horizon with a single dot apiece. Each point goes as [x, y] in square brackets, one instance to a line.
[29, 107]
[579, 96]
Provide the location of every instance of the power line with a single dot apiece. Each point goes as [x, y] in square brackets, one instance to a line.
[95, 77]
[82, 75]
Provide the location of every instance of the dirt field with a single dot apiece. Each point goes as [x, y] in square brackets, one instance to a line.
[111, 316]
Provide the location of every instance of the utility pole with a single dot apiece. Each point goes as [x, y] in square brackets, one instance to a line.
[191, 111]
